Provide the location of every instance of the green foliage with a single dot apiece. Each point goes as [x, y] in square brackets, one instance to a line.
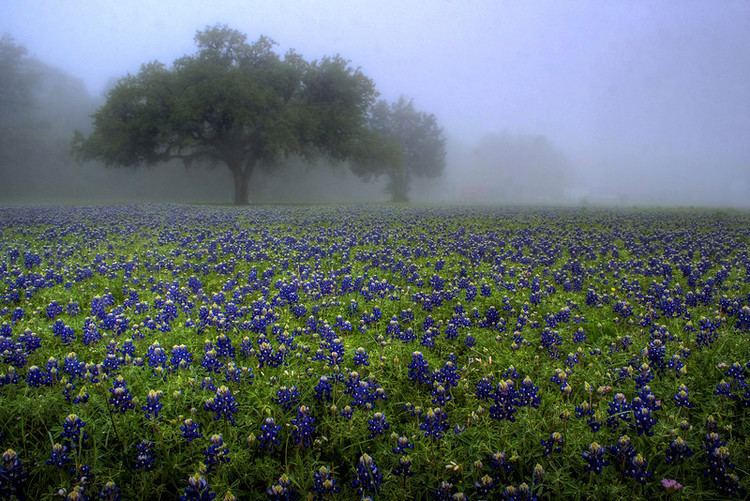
[412, 145]
[232, 102]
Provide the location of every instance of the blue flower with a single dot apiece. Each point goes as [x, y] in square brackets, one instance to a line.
[403, 445]
[110, 492]
[269, 434]
[594, 458]
[223, 404]
[419, 370]
[323, 389]
[677, 451]
[378, 425]
[361, 357]
[12, 475]
[435, 423]
[303, 427]
[287, 397]
[153, 404]
[59, 456]
[197, 489]
[368, 476]
[323, 482]
[145, 457]
[216, 453]
[73, 431]
[553, 443]
[281, 490]
[121, 398]
[190, 430]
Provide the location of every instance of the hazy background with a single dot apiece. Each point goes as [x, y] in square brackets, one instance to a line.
[628, 102]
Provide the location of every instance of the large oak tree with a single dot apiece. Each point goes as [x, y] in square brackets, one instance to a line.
[234, 103]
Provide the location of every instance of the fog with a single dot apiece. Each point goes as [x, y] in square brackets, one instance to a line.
[580, 103]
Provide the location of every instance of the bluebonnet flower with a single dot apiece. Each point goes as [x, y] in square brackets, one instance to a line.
[156, 356]
[59, 456]
[303, 427]
[197, 489]
[181, 357]
[323, 482]
[403, 469]
[485, 485]
[484, 388]
[287, 397]
[361, 357]
[210, 362]
[743, 319]
[12, 475]
[505, 400]
[378, 425]
[403, 445]
[269, 434]
[560, 378]
[618, 410]
[439, 395]
[66, 333]
[724, 389]
[528, 394]
[447, 375]
[368, 476]
[73, 308]
[224, 347]
[190, 430]
[121, 398]
[435, 423]
[323, 389]
[681, 397]
[594, 457]
[579, 336]
[520, 493]
[677, 451]
[110, 492]
[145, 457]
[281, 490]
[36, 377]
[216, 453]
[347, 412]
[73, 431]
[53, 310]
[444, 492]
[644, 407]
[720, 467]
[153, 404]
[419, 370]
[223, 404]
[553, 443]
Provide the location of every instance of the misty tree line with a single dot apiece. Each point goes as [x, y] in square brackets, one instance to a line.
[232, 103]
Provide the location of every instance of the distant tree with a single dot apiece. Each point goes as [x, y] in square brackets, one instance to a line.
[234, 103]
[407, 143]
[17, 83]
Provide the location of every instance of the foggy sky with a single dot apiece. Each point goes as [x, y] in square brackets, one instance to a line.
[648, 101]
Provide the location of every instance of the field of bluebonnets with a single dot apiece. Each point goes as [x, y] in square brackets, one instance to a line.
[338, 353]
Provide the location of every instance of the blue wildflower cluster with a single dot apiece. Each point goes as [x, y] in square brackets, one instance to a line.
[411, 333]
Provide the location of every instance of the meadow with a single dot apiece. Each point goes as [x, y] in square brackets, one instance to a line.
[164, 352]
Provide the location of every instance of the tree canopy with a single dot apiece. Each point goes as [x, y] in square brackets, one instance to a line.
[415, 143]
[234, 103]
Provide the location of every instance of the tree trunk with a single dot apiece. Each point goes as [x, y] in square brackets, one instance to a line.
[398, 186]
[241, 178]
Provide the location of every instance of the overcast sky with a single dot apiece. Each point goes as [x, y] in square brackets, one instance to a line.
[633, 92]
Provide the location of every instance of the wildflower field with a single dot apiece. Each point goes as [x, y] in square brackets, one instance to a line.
[165, 352]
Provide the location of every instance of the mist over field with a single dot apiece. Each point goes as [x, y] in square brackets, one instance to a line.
[543, 103]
